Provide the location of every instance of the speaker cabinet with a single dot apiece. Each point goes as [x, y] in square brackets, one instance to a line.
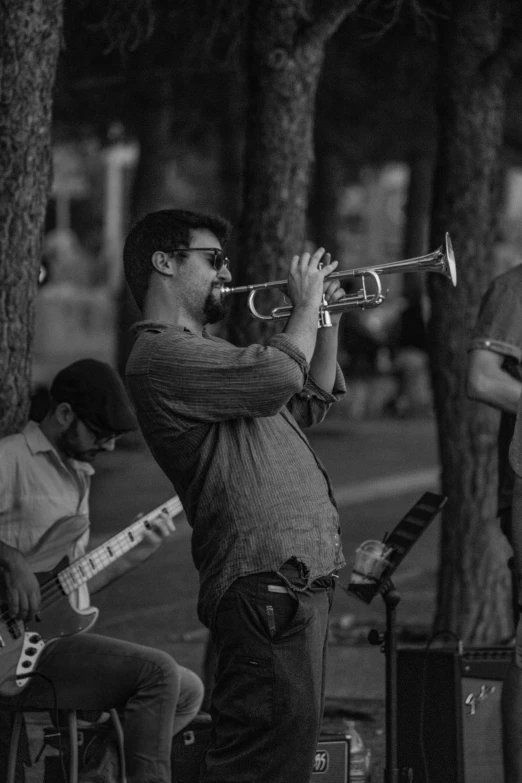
[449, 727]
[332, 759]
[331, 763]
[189, 748]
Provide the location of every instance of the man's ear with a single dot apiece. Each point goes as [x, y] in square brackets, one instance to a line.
[64, 414]
[163, 263]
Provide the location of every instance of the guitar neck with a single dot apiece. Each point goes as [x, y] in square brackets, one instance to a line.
[87, 566]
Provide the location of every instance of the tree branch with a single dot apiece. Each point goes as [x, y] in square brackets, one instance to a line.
[329, 18]
[509, 53]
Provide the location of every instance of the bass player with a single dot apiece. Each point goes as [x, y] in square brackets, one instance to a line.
[45, 474]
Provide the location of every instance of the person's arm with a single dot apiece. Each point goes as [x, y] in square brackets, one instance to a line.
[323, 359]
[497, 336]
[306, 283]
[210, 380]
[160, 529]
[21, 585]
[488, 382]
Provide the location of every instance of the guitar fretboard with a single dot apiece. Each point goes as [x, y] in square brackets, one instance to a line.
[87, 566]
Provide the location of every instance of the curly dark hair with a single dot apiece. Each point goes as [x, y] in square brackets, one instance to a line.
[163, 230]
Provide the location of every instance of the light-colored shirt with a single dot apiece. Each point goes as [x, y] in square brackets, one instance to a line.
[39, 491]
[224, 424]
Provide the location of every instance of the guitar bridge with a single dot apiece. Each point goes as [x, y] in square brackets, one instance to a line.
[32, 647]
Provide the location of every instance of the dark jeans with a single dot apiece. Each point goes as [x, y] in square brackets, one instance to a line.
[158, 697]
[268, 699]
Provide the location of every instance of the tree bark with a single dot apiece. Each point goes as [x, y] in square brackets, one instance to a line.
[416, 234]
[154, 108]
[473, 584]
[30, 33]
[285, 53]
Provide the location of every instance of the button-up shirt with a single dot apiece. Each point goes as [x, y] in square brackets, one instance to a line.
[223, 424]
[38, 493]
[499, 329]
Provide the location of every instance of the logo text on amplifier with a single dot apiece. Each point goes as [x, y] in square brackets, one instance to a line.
[321, 761]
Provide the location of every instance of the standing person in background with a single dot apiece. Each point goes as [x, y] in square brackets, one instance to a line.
[45, 477]
[494, 377]
[512, 686]
[224, 425]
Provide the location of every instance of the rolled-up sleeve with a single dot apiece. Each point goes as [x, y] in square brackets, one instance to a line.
[221, 381]
[499, 323]
[515, 448]
[312, 403]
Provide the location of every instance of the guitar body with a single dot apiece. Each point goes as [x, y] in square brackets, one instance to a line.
[21, 644]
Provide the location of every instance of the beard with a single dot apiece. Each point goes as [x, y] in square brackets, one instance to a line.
[69, 444]
[214, 308]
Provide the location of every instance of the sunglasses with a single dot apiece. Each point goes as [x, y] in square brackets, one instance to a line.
[219, 260]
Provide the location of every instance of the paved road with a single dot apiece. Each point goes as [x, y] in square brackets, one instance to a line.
[378, 470]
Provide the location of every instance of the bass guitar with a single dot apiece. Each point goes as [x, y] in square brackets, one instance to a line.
[21, 643]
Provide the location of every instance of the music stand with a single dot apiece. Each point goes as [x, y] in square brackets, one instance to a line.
[400, 540]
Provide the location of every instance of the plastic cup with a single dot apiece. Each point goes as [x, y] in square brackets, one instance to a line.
[370, 562]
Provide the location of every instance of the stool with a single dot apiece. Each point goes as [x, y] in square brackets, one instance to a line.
[72, 721]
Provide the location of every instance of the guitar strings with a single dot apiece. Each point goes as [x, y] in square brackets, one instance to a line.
[52, 590]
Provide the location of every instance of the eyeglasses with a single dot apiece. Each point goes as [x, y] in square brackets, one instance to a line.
[218, 261]
[101, 438]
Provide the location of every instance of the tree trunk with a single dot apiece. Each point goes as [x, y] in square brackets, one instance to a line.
[154, 106]
[473, 585]
[30, 33]
[416, 234]
[329, 179]
[285, 52]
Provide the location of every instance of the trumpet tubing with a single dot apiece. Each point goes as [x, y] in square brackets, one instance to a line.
[441, 261]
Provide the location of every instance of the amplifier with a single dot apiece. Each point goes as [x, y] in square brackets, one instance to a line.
[449, 727]
[188, 749]
[332, 759]
[331, 763]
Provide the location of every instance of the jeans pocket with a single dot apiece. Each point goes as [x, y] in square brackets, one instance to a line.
[286, 615]
[244, 691]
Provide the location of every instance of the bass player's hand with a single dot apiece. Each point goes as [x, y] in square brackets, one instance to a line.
[22, 588]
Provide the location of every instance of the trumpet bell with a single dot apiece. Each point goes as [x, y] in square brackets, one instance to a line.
[451, 271]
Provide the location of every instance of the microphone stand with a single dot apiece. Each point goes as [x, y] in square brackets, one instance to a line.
[388, 642]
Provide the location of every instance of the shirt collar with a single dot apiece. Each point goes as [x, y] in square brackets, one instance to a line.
[156, 326]
[39, 443]
[162, 326]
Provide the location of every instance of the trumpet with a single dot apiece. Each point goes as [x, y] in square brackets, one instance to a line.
[441, 261]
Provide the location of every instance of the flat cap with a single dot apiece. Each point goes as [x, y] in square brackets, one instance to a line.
[96, 393]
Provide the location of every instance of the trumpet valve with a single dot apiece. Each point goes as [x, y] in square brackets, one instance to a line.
[324, 315]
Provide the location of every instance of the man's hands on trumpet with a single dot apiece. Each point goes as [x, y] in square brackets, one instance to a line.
[307, 282]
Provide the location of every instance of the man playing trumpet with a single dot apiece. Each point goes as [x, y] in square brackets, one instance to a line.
[224, 425]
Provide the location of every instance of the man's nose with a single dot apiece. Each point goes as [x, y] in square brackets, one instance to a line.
[224, 275]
